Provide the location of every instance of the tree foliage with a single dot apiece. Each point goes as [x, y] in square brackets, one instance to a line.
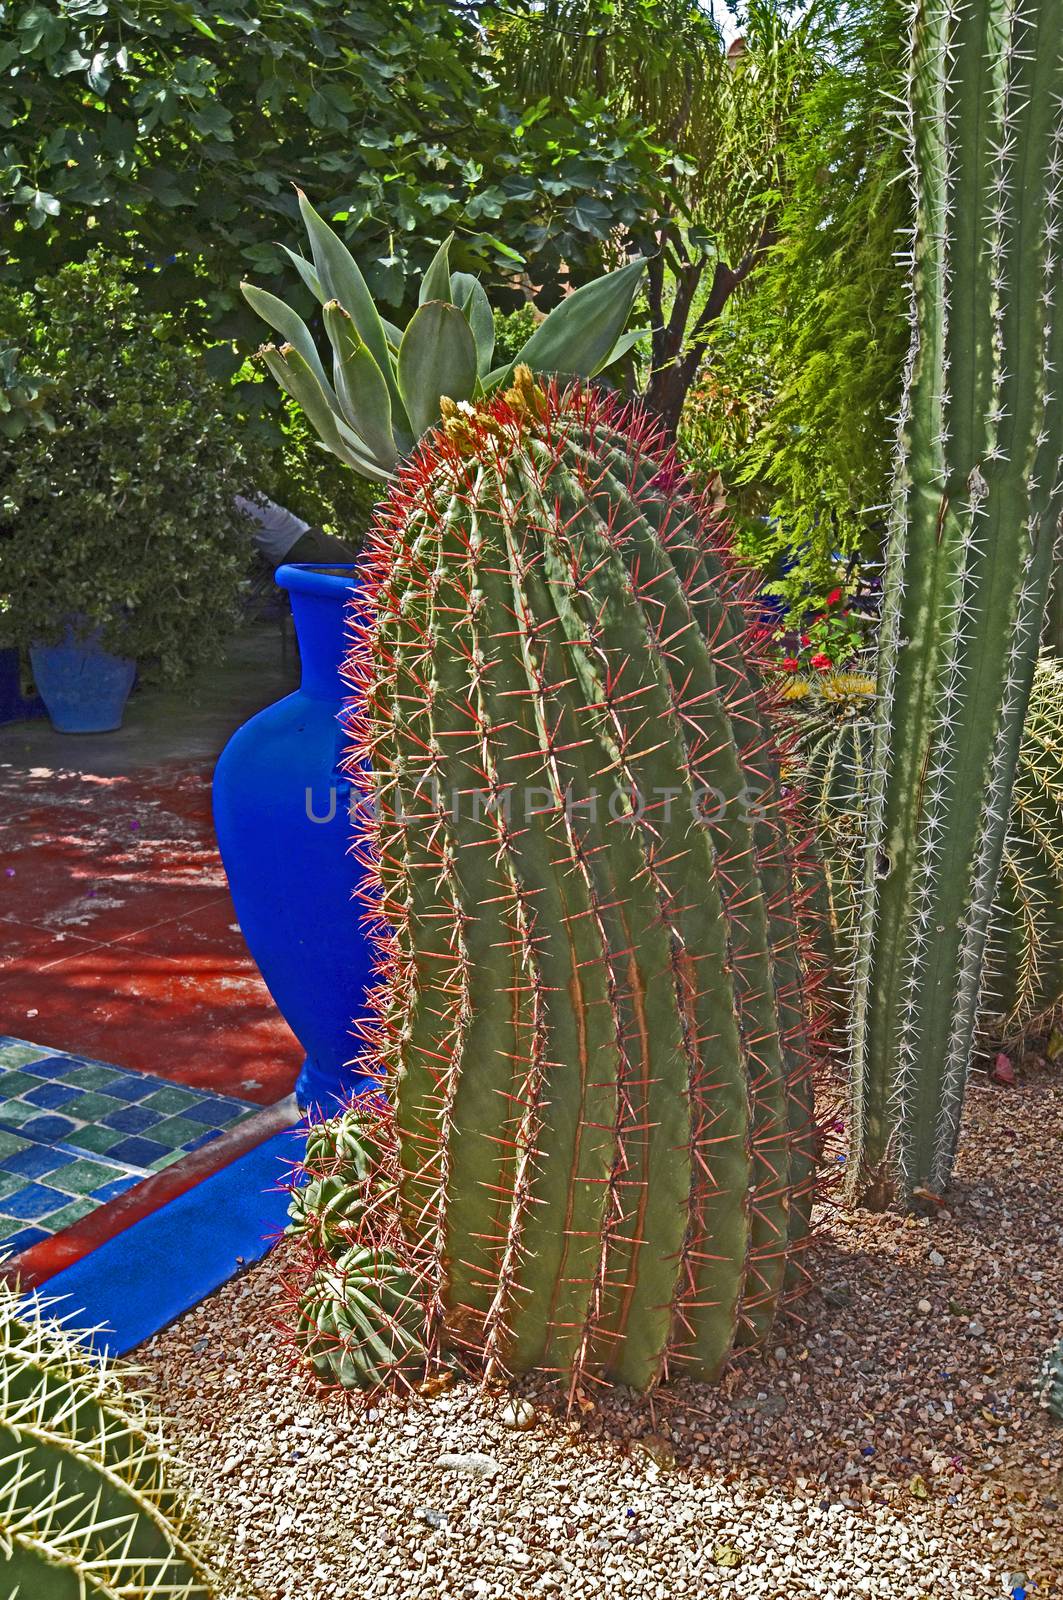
[173, 132]
[827, 317]
[724, 117]
[121, 515]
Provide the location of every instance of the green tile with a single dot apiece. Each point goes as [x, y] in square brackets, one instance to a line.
[20, 1055]
[10, 1143]
[10, 1225]
[83, 1176]
[18, 1111]
[167, 1160]
[176, 1130]
[68, 1214]
[98, 1140]
[172, 1098]
[82, 1076]
[13, 1084]
[91, 1107]
[9, 1182]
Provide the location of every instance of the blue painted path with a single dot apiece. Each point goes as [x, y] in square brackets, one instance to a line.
[135, 1283]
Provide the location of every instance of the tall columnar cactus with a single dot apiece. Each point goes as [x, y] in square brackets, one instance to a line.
[975, 517]
[592, 1020]
[86, 1510]
[1023, 985]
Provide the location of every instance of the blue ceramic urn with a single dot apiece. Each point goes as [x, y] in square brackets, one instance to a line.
[282, 817]
[84, 687]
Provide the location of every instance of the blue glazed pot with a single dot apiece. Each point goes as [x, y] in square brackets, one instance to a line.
[281, 813]
[83, 686]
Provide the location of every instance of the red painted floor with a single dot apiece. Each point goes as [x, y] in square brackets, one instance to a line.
[117, 935]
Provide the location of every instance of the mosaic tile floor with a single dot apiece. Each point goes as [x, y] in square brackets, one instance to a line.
[76, 1133]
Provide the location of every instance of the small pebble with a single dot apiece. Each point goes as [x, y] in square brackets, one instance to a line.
[519, 1414]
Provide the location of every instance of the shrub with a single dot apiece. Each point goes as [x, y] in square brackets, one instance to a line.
[122, 516]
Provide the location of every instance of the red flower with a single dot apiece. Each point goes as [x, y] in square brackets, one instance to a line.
[834, 596]
[822, 663]
[805, 639]
[790, 664]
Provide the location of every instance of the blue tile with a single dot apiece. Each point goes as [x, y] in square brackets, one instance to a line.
[49, 1130]
[136, 1152]
[50, 1096]
[34, 1201]
[50, 1066]
[117, 1186]
[24, 1238]
[202, 1139]
[132, 1119]
[36, 1161]
[133, 1088]
[214, 1112]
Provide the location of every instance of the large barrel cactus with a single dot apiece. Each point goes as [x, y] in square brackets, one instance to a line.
[1023, 985]
[86, 1508]
[592, 1021]
[975, 518]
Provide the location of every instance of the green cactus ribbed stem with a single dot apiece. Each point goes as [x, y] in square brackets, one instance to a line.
[87, 1511]
[975, 517]
[596, 1022]
[1022, 992]
[1050, 1385]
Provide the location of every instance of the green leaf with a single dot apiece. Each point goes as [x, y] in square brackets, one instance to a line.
[577, 336]
[306, 272]
[289, 324]
[341, 280]
[471, 297]
[297, 379]
[627, 341]
[437, 357]
[360, 387]
[435, 285]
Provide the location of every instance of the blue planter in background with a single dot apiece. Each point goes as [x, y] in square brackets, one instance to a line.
[14, 705]
[83, 686]
[281, 813]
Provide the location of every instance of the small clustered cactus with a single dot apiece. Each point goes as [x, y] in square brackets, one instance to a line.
[87, 1509]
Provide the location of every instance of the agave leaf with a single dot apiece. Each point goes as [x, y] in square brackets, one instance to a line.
[470, 295]
[627, 341]
[360, 387]
[289, 324]
[342, 281]
[306, 271]
[437, 357]
[297, 378]
[577, 336]
[435, 285]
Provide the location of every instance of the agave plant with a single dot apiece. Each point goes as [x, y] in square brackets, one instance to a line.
[386, 383]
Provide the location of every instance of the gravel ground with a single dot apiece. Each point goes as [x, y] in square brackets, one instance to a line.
[890, 1447]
